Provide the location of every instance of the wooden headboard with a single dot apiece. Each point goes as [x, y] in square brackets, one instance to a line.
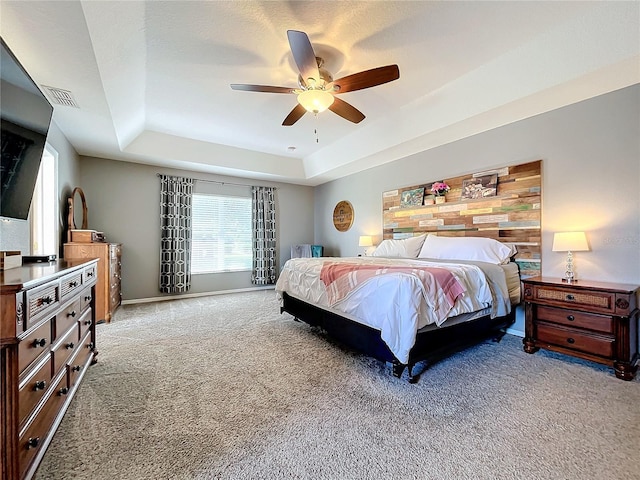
[512, 216]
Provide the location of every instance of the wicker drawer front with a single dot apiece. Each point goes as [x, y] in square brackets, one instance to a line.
[576, 340]
[63, 349]
[34, 344]
[600, 301]
[572, 318]
[65, 318]
[40, 300]
[70, 284]
[31, 440]
[33, 387]
[89, 274]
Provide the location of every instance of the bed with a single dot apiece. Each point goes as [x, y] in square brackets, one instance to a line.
[413, 300]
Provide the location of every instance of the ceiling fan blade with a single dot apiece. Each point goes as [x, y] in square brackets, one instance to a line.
[366, 79]
[304, 55]
[346, 110]
[261, 88]
[295, 115]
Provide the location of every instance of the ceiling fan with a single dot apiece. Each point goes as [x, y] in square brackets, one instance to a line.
[317, 90]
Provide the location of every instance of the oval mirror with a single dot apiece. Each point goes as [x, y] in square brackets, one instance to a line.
[79, 209]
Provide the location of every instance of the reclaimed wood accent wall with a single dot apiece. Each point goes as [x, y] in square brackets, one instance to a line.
[511, 216]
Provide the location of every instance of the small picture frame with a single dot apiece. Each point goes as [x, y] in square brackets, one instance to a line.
[412, 198]
[480, 187]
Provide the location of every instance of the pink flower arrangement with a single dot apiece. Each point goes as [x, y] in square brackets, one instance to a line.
[439, 189]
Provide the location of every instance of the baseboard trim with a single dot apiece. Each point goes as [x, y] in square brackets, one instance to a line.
[194, 295]
[515, 331]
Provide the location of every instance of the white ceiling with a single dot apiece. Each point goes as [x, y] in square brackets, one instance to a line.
[152, 77]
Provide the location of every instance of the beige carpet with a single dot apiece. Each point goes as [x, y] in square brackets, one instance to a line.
[225, 387]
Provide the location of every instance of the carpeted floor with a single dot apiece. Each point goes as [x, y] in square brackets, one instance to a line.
[225, 387]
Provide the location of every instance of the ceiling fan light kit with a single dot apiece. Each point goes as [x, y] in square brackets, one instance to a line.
[315, 101]
[317, 88]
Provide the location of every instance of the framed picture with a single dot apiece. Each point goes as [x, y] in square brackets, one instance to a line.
[480, 187]
[412, 198]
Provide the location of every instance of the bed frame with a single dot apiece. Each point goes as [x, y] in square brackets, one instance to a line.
[431, 345]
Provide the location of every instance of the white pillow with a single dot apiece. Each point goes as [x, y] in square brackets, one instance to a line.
[466, 248]
[404, 248]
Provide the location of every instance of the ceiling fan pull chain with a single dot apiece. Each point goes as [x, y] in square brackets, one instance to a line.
[315, 130]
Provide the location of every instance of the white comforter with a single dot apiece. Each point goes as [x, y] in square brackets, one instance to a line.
[396, 303]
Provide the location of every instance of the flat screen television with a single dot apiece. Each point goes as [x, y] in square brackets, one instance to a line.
[25, 116]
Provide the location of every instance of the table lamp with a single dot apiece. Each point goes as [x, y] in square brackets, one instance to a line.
[569, 242]
[365, 241]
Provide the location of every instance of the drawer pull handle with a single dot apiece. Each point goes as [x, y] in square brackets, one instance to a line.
[75, 368]
[87, 298]
[70, 345]
[33, 442]
[41, 385]
[87, 322]
[63, 391]
[90, 345]
[570, 340]
[73, 284]
[571, 318]
[39, 342]
[46, 300]
[90, 274]
[71, 314]
[570, 297]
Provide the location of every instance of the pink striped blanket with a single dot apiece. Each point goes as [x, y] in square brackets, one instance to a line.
[438, 283]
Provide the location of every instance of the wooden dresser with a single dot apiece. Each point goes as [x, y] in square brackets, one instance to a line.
[595, 321]
[47, 342]
[108, 291]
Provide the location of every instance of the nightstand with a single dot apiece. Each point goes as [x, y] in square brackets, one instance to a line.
[596, 321]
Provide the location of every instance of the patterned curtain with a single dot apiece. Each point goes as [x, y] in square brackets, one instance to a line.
[175, 228]
[264, 236]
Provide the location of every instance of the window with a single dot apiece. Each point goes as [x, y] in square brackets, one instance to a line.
[221, 234]
[44, 206]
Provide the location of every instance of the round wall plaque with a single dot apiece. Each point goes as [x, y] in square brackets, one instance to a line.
[343, 216]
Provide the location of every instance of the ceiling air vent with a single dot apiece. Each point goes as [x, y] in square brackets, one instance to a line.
[61, 97]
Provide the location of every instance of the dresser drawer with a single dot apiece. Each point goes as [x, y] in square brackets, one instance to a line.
[576, 340]
[571, 298]
[84, 323]
[80, 361]
[33, 387]
[33, 344]
[40, 300]
[115, 250]
[572, 318]
[64, 348]
[70, 284]
[85, 299]
[32, 439]
[89, 274]
[67, 317]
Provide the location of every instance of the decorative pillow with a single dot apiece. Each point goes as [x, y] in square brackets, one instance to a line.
[466, 248]
[404, 248]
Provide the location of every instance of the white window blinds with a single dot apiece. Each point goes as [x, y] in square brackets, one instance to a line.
[221, 234]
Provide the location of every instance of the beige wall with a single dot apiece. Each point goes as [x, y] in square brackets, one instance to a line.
[123, 202]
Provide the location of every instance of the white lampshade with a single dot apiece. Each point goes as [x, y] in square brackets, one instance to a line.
[315, 101]
[365, 241]
[570, 242]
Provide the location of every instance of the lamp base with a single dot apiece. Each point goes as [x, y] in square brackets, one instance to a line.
[569, 280]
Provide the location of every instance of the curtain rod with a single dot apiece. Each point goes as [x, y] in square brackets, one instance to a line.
[221, 183]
